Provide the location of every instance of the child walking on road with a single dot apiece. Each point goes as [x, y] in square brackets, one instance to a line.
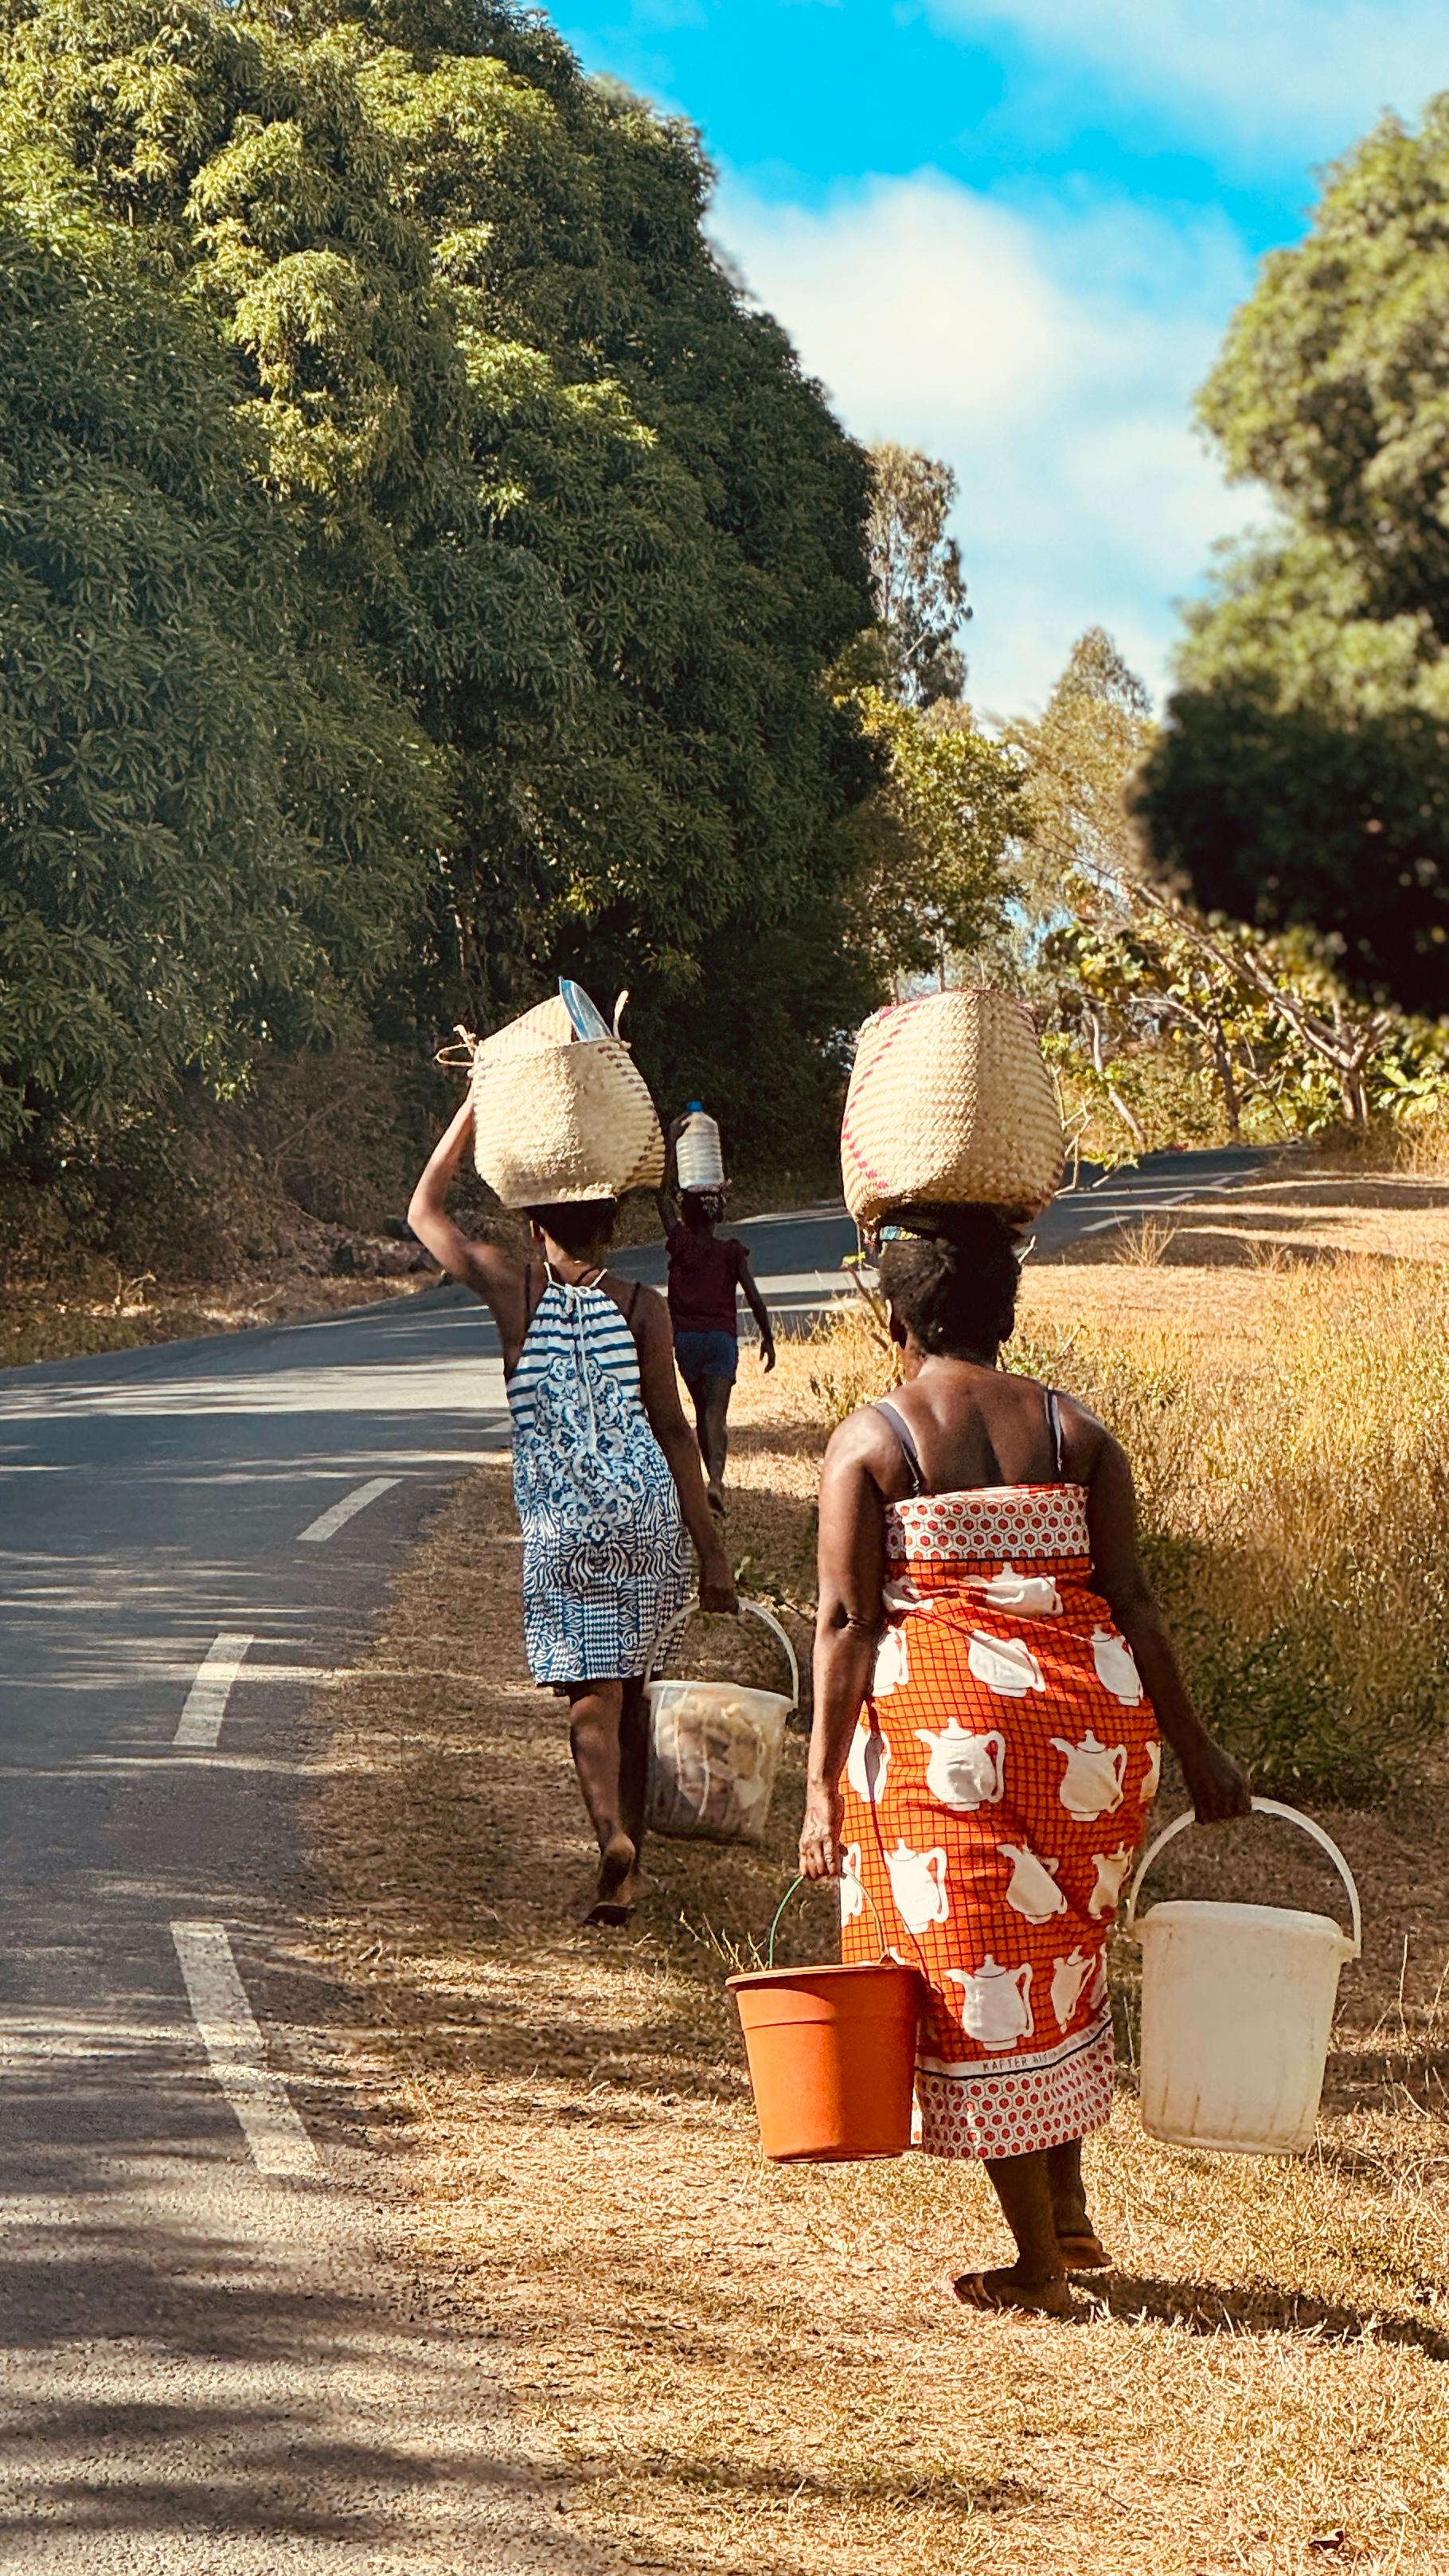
[707, 1276]
[607, 1481]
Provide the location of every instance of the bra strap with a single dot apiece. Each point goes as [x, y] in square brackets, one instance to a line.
[909, 1451]
[1054, 1425]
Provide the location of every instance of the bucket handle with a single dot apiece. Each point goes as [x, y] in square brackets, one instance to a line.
[756, 1610]
[1261, 1807]
[792, 1889]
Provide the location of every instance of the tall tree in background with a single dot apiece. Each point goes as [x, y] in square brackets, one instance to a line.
[937, 839]
[1083, 750]
[933, 843]
[1169, 1026]
[210, 835]
[916, 576]
[557, 492]
[1303, 775]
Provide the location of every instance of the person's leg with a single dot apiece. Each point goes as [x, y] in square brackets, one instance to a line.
[633, 1762]
[1037, 2279]
[595, 1726]
[1081, 2248]
[697, 1397]
[714, 1431]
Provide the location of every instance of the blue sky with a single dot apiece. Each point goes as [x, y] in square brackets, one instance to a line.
[1013, 231]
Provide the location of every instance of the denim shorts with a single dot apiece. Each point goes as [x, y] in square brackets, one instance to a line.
[702, 1355]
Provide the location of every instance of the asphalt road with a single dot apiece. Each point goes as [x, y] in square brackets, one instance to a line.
[215, 2358]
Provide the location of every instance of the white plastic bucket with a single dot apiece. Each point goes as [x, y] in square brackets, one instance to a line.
[714, 1748]
[698, 1154]
[1237, 2010]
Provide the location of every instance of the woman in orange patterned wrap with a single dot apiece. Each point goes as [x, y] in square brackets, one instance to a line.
[991, 1674]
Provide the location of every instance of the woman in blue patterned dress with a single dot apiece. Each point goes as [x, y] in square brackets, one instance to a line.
[607, 1478]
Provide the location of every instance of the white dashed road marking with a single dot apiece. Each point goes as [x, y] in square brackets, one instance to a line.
[233, 2042]
[328, 1523]
[200, 1722]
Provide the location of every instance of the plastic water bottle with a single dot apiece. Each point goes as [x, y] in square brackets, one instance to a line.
[698, 1156]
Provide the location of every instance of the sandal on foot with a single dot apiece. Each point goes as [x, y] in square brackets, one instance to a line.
[612, 1917]
[974, 2290]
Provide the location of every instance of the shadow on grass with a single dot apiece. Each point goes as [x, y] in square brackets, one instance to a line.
[1205, 2309]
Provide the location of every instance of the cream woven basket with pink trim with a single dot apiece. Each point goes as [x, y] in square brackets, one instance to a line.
[951, 1102]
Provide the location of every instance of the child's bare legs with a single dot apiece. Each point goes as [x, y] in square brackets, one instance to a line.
[606, 1747]
[1037, 2279]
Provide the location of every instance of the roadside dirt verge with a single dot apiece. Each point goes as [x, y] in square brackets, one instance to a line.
[730, 2366]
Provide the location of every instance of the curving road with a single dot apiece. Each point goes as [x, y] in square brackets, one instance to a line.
[216, 2359]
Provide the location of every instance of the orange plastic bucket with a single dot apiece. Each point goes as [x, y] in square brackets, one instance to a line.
[832, 2057]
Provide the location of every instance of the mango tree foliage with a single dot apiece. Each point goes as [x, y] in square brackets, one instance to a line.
[207, 833]
[559, 489]
[1303, 776]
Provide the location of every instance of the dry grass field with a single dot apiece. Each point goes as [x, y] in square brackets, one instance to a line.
[725, 2366]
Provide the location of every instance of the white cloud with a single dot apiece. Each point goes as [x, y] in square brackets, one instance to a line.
[1308, 75]
[1051, 356]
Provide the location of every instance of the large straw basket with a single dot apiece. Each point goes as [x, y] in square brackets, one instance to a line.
[547, 1024]
[564, 1122]
[950, 1101]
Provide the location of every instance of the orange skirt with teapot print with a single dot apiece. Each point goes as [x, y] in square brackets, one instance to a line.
[995, 1794]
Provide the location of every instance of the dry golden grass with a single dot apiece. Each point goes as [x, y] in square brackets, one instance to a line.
[739, 2367]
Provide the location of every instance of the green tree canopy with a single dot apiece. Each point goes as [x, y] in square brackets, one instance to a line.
[1303, 776]
[207, 834]
[558, 489]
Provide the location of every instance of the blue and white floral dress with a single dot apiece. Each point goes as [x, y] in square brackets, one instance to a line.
[607, 1566]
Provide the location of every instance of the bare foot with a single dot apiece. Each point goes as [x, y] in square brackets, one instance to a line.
[1078, 2243]
[1009, 2289]
[1082, 2250]
[617, 1884]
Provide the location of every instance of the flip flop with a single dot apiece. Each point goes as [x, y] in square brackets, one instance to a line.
[611, 1917]
[971, 2290]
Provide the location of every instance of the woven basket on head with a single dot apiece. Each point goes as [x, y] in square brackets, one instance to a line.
[565, 1122]
[547, 1024]
[951, 1102]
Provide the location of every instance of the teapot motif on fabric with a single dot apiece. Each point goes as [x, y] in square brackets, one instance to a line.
[1005, 1664]
[965, 1771]
[995, 2003]
[918, 1885]
[1069, 1975]
[1116, 1670]
[1032, 1889]
[1152, 1777]
[852, 1893]
[892, 1663]
[902, 1594]
[1034, 1595]
[1112, 1868]
[1091, 1784]
[867, 1763]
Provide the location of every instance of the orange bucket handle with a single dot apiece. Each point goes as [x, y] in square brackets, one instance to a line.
[795, 1885]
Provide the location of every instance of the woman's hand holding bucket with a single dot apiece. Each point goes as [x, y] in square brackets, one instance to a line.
[820, 1846]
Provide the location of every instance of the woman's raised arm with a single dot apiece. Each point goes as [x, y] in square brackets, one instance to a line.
[491, 1274]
